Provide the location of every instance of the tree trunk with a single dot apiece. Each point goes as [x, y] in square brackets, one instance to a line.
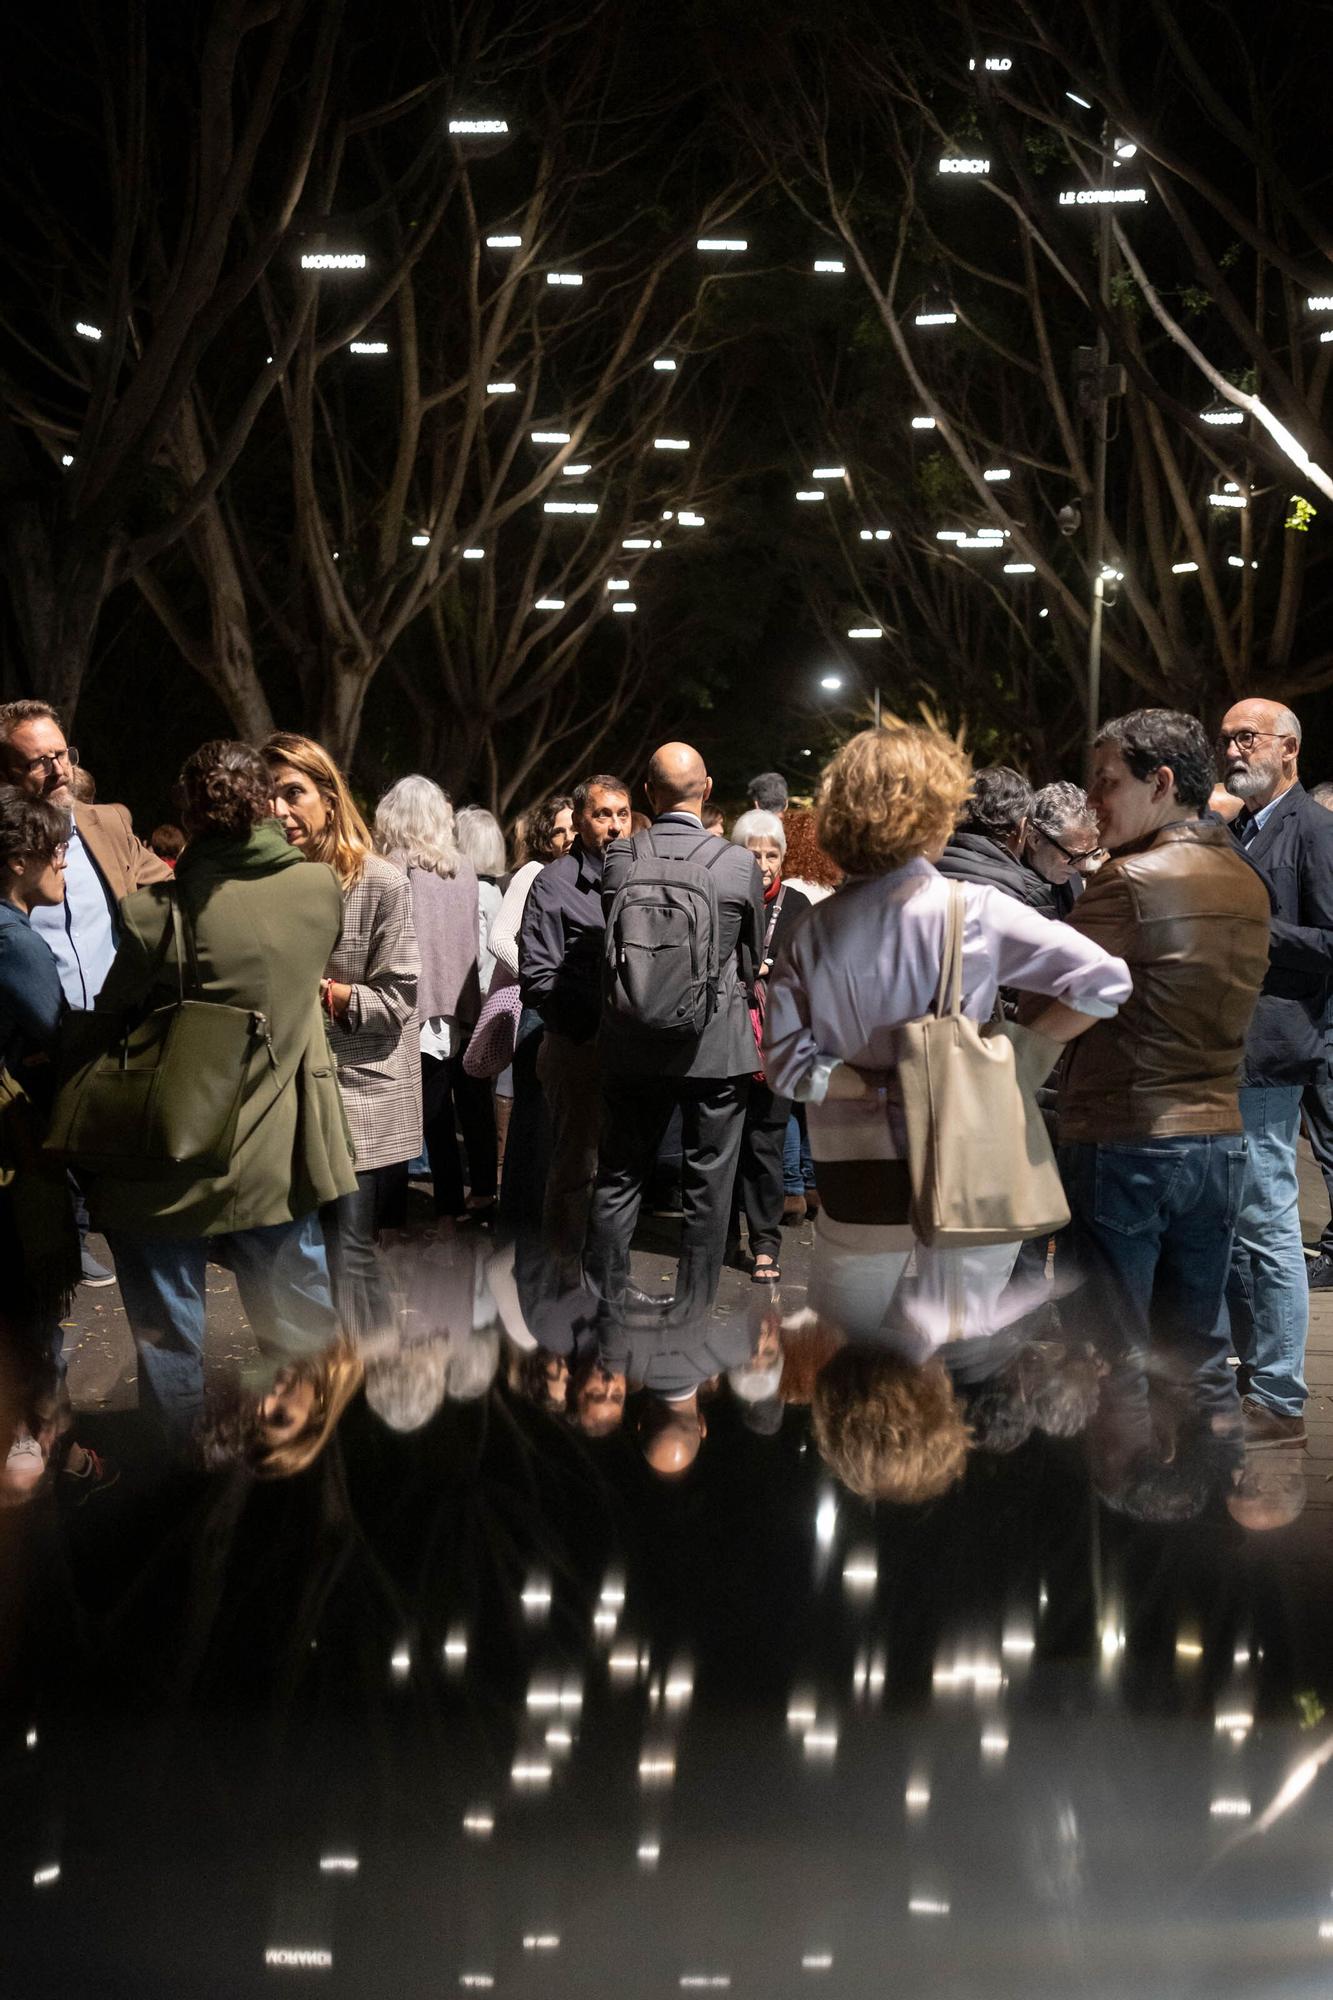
[344, 680]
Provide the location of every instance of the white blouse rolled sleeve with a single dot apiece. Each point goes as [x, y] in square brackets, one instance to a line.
[868, 960]
[503, 939]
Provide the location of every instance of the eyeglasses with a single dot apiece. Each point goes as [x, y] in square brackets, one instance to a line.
[1244, 739]
[1084, 859]
[69, 757]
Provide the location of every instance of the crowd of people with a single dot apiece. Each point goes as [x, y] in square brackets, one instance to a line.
[416, 1092]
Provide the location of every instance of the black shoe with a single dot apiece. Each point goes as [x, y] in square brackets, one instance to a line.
[1319, 1273]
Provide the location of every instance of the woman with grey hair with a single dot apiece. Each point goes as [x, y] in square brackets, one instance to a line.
[414, 826]
[759, 1179]
[1063, 841]
[483, 842]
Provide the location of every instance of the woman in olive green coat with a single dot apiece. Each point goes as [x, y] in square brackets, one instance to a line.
[264, 922]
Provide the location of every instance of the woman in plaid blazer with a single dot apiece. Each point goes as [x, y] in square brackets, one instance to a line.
[370, 994]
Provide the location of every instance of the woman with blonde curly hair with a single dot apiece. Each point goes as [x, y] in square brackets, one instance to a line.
[369, 994]
[860, 967]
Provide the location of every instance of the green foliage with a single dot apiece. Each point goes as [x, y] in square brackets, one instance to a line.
[1301, 515]
[1042, 151]
[1125, 294]
[942, 484]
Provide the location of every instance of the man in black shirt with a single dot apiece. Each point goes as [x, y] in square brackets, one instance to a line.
[560, 973]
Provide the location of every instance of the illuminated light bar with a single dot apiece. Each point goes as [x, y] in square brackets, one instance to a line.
[30, 1740]
[997, 474]
[625, 604]
[713, 1981]
[687, 520]
[564, 278]
[801, 1712]
[559, 1739]
[504, 242]
[1018, 1645]
[1020, 569]
[820, 1742]
[917, 1796]
[1230, 1808]
[43, 1877]
[649, 1853]
[455, 1647]
[865, 632]
[636, 542]
[994, 1742]
[671, 444]
[549, 604]
[997, 63]
[928, 1906]
[1102, 197]
[817, 1961]
[936, 319]
[67, 458]
[1125, 149]
[951, 164]
[1319, 302]
[473, 555]
[657, 1767]
[333, 260]
[541, 1941]
[978, 542]
[401, 1662]
[617, 583]
[86, 331]
[860, 1571]
[479, 1824]
[829, 472]
[830, 682]
[478, 128]
[307, 1957]
[502, 388]
[1326, 1931]
[482, 1980]
[1222, 413]
[923, 423]
[1227, 500]
[1236, 1721]
[714, 243]
[549, 437]
[367, 346]
[1325, 338]
[624, 1660]
[568, 507]
[1184, 569]
[531, 1771]
[576, 471]
[832, 267]
[421, 541]
[809, 493]
[1074, 98]
[338, 1864]
[664, 365]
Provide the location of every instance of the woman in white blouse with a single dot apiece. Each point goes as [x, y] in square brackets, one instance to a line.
[867, 961]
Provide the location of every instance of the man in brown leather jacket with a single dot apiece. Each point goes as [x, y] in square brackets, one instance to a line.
[1152, 1143]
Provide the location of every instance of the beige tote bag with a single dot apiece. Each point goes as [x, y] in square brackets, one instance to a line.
[978, 1153]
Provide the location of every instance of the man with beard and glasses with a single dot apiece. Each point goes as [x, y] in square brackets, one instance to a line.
[1288, 839]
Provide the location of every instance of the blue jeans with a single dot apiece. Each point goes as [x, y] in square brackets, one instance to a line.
[798, 1167]
[1268, 1298]
[283, 1280]
[1151, 1229]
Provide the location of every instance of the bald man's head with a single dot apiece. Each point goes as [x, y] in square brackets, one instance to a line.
[677, 779]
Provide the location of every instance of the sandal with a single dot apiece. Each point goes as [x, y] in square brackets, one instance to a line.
[765, 1270]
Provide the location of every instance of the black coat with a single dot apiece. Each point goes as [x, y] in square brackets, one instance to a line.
[1293, 851]
[974, 857]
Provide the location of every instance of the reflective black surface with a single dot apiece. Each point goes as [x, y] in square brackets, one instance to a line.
[478, 1701]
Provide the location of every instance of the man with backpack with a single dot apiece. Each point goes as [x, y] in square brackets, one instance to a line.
[684, 937]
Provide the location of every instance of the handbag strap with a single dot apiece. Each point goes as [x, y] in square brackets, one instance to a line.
[774, 914]
[949, 997]
[183, 931]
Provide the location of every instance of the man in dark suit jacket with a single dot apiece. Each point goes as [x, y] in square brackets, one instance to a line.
[1289, 840]
[645, 1078]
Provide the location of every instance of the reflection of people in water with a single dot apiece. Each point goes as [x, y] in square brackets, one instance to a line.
[278, 1432]
[888, 1428]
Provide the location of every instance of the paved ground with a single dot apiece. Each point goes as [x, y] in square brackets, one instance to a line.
[101, 1373]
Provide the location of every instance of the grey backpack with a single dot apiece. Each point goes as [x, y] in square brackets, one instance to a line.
[660, 970]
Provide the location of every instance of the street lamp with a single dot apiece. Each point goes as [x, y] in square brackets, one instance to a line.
[834, 683]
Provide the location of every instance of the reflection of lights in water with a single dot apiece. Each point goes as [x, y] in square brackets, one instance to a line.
[558, 1738]
[1113, 1640]
[649, 1853]
[917, 1796]
[860, 1572]
[869, 1672]
[826, 1521]
[309, 1958]
[31, 1739]
[801, 1711]
[1017, 1644]
[657, 1766]
[1189, 1649]
[982, 1676]
[604, 1622]
[679, 1685]
[994, 1743]
[531, 1771]
[821, 1742]
[541, 1941]
[1233, 1722]
[43, 1877]
[338, 1864]
[1230, 1808]
[401, 1662]
[928, 1906]
[624, 1662]
[1326, 1931]
[817, 1961]
[714, 1980]
[479, 1823]
[455, 1647]
[1241, 1657]
[481, 1979]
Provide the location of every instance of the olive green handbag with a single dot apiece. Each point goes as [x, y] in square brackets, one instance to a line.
[168, 1094]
